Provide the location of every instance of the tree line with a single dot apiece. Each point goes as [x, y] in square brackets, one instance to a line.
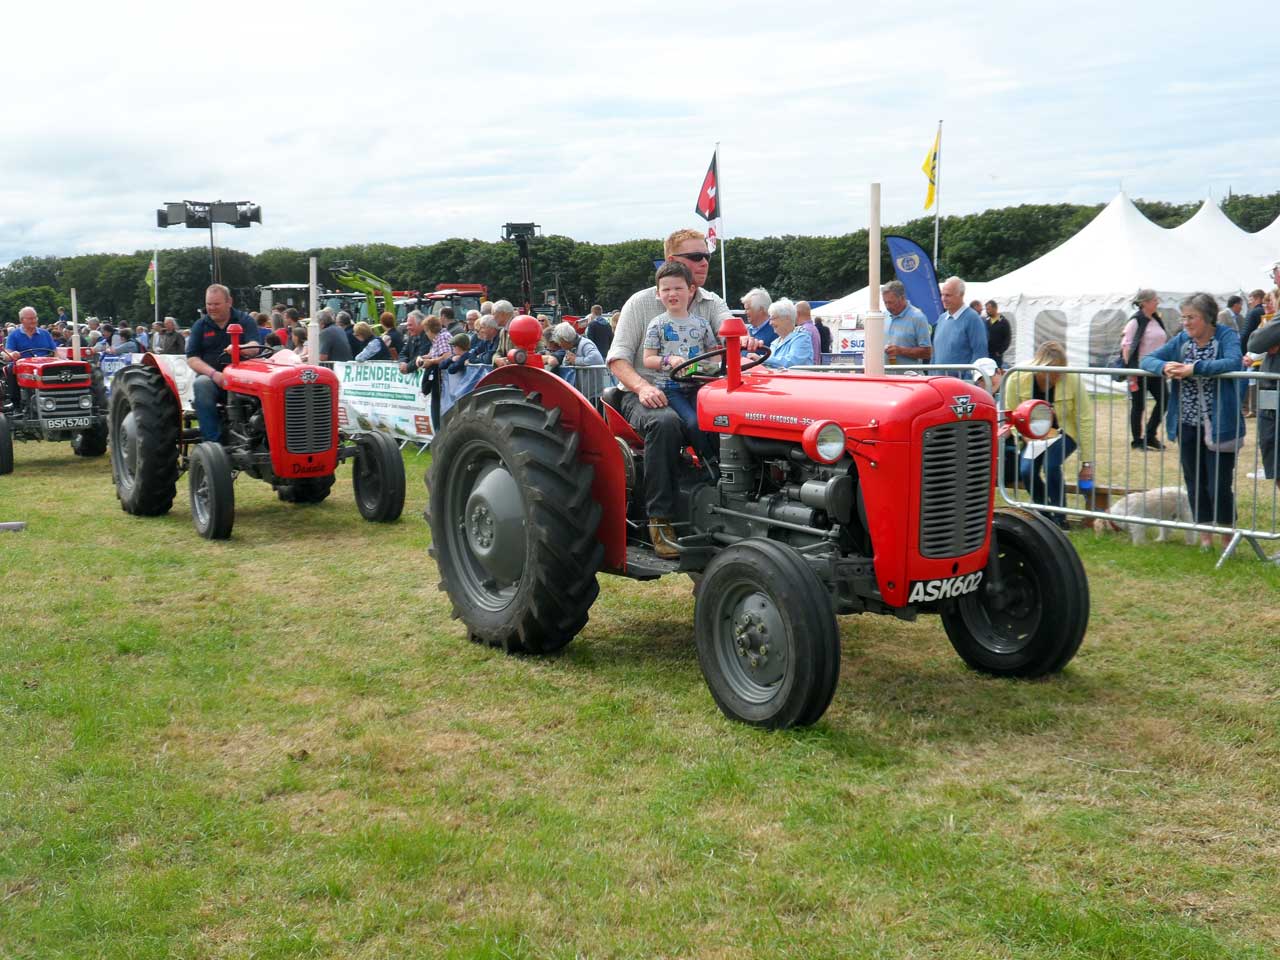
[977, 247]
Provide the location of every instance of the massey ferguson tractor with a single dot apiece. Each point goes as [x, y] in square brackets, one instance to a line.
[279, 424]
[832, 495]
[59, 398]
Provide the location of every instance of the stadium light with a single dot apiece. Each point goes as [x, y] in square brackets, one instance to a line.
[203, 214]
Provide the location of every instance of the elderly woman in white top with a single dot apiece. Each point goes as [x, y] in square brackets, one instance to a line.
[793, 346]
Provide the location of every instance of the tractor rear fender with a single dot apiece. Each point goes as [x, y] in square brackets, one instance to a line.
[149, 360]
[596, 446]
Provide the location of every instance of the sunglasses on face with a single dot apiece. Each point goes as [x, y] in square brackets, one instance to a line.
[695, 257]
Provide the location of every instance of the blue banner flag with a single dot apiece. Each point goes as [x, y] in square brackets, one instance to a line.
[913, 267]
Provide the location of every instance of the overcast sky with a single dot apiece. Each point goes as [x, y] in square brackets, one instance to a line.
[410, 123]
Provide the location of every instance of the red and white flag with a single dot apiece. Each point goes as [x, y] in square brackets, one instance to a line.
[708, 205]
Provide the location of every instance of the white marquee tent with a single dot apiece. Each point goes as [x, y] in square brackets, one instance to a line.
[1080, 292]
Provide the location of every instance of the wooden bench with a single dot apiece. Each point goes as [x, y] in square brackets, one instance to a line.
[1100, 498]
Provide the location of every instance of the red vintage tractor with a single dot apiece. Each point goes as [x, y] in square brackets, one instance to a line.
[279, 424]
[832, 495]
[59, 398]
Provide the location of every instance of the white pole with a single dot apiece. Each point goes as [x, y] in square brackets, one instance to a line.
[155, 280]
[937, 194]
[875, 319]
[313, 334]
[724, 245]
[75, 327]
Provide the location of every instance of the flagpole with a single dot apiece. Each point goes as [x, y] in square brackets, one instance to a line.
[724, 241]
[937, 194]
[155, 290]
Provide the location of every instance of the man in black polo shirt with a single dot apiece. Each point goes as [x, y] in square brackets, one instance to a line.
[205, 346]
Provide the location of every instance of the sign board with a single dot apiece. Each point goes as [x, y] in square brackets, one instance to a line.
[377, 397]
[851, 338]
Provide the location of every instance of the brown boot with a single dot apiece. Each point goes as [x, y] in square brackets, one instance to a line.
[664, 538]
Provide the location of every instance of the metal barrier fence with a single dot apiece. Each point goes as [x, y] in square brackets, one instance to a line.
[1203, 480]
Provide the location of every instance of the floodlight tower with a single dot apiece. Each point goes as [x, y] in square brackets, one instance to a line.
[203, 213]
[521, 234]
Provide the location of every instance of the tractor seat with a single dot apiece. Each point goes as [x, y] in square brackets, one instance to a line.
[612, 396]
[610, 408]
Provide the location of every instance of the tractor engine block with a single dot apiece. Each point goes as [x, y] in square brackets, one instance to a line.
[770, 488]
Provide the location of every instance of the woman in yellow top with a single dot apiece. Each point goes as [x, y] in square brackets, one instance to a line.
[1073, 418]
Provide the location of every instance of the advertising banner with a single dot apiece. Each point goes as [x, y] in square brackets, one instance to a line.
[110, 364]
[378, 397]
[850, 339]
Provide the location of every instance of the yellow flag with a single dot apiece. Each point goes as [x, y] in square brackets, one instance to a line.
[930, 168]
[150, 279]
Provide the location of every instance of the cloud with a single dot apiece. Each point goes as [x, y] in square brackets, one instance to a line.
[407, 123]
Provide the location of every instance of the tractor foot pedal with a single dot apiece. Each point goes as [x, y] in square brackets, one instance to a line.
[643, 564]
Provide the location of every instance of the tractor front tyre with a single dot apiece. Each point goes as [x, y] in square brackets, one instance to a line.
[306, 490]
[1032, 622]
[377, 477]
[6, 446]
[144, 420]
[767, 638]
[213, 492]
[91, 442]
[513, 522]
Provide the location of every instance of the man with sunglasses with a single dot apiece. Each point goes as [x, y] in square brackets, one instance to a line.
[642, 402]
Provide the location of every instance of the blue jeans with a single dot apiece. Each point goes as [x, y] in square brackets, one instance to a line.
[206, 395]
[683, 401]
[1048, 489]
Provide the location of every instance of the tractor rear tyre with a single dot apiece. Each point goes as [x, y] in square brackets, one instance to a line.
[306, 490]
[213, 491]
[6, 446]
[378, 478]
[144, 418]
[767, 637]
[513, 522]
[1035, 625]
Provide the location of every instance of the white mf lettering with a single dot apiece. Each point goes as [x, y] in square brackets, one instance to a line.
[923, 591]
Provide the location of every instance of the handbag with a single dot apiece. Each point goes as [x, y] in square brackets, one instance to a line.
[1117, 360]
[1232, 445]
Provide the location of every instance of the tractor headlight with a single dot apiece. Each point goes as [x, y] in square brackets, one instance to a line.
[48, 403]
[824, 441]
[1033, 418]
[86, 402]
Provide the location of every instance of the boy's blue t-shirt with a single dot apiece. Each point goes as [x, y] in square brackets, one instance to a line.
[682, 337]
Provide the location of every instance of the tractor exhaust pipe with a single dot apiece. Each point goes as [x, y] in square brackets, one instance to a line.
[875, 318]
[75, 329]
[732, 330]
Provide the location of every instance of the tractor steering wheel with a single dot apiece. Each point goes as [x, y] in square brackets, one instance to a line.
[674, 372]
[262, 351]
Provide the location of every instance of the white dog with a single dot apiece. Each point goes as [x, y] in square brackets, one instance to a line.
[1163, 503]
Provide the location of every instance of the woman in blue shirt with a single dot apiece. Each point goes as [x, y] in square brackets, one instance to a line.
[793, 346]
[1203, 414]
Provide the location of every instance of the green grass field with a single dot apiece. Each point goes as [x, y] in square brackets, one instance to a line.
[281, 746]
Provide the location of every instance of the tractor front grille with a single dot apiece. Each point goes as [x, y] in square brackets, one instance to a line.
[66, 403]
[59, 373]
[955, 488]
[308, 418]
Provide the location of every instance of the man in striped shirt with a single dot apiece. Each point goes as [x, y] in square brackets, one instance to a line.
[906, 332]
